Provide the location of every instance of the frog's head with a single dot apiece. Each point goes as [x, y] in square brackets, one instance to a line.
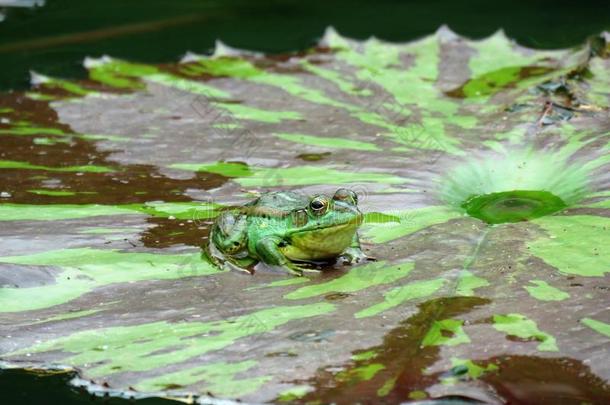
[325, 227]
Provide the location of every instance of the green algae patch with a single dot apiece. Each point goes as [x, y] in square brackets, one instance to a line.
[329, 142]
[227, 169]
[495, 81]
[130, 348]
[387, 387]
[104, 230]
[216, 378]
[362, 356]
[462, 368]
[358, 278]
[522, 327]
[57, 212]
[306, 175]
[28, 130]
[385, 228]
[117, 73]
[399, 295]
[290, 176]
[512, 206]
[446, 332]
[360, 373]
[575, 244]
[194, 210]
[542, 291]
[598, 326]
[84, 269]
[380, 218]
[468, 282]
[67, 316]
[282, 283]
[294, 393]
[11, 164]
[244, 112]
[53, 193]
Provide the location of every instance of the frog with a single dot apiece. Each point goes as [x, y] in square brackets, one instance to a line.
[290, 231]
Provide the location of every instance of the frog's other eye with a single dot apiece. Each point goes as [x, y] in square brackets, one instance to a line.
[319, 205]
[344, 194]
[299, 217]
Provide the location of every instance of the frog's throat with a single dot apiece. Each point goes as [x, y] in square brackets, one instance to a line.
[329, 228]
[321, 243]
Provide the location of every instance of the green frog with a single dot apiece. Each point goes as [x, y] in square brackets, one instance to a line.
[288, 230]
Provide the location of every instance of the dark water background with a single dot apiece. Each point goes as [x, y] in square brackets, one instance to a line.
[54, 39]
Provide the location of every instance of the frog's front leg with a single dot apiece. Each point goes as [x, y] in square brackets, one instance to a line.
[268, 251]
[354, 254]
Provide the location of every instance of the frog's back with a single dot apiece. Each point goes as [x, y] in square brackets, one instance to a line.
[277, 204]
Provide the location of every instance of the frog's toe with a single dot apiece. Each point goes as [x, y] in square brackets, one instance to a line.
[353, 256]
[290, 267]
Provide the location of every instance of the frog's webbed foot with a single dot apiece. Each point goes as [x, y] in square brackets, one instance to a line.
[304, 267]
[353, 255]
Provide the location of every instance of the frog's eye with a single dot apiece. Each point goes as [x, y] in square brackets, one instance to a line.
[344, 194]
[319, 205]
[299, 218]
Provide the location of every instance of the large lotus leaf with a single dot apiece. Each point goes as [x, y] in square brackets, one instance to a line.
[109, 186]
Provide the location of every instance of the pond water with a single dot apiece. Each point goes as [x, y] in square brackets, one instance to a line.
[481, 167]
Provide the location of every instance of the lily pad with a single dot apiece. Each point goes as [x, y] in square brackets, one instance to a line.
[485, 188]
